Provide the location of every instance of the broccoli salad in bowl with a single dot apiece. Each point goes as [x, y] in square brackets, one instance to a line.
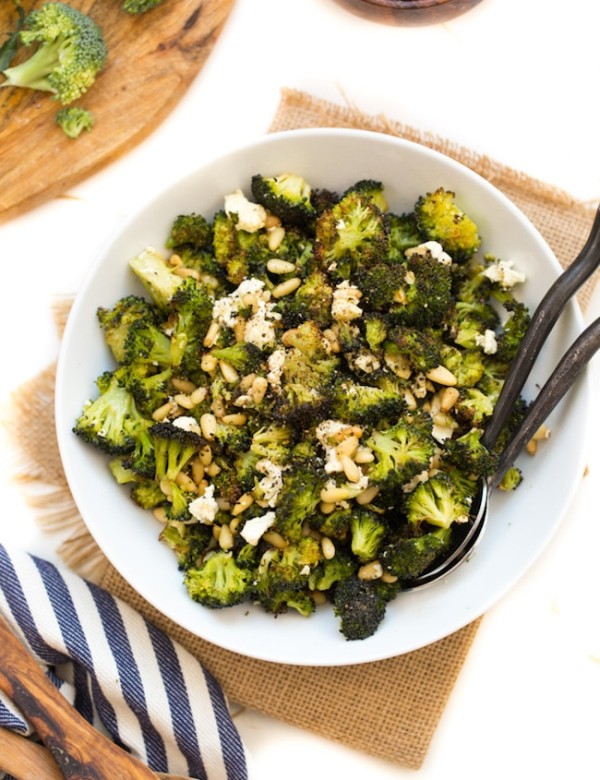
[300, 394]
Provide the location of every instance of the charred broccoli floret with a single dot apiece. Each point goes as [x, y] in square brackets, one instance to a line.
[410, 556]
[401, 452]
[243, 356]
[286, 195]
[283, 577]
[189, 542]
[116, 321]
[468, 453]
[299, 497]
[219, 582]
[367, 531]
[70, 53]
[368, 405]
[191, 315]
[360, 606]
[190, 230]
[468, 323]
[403, 234]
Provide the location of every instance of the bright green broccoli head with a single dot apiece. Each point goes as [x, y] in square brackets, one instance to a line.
[468, 323]
[156, 276]
[440, 219]
[174, 447]
[73, 120]
[190, 230]
[116, 321]
[351, 234]
[401, 452]
[438, 502]
[403, 234]
[367, 531]
[287, 196]
[219, 582]
[70, 53]
[467, 452]
[283, 577]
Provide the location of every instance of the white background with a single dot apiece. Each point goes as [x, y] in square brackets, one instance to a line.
[511, 79]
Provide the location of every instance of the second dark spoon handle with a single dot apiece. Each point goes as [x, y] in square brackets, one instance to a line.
[542, 322]
[562, 378]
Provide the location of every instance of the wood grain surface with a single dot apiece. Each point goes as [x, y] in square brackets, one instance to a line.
[152, 60]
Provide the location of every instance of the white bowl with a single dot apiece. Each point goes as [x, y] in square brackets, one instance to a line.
[521, 523]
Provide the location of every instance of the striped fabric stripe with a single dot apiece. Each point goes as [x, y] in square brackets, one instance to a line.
[124, 675]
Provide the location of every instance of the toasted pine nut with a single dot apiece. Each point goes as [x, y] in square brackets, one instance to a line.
[205, 455]
[185, 482]
[213, 469]
[239, 330]
[198, 395]
[367, 495]
[229, 373]
[164, 411]
[237, 418]
[218, 407]
[328, 548]
[212, 334]
[197, 468]
[277, 266]
[332, 342]
[364, 455]
[258, 389]
[531, 447]
[247, 381]
[242, 504]
[165, 487]
[183, 400]
[209, 363]
[351, 470]
[160, 513]
[271, 221]
[326, 508]
[441, 376]
[275, 540]
[543, 432]
[388, 577]
[225, 538]
[183, 385]
[287, 287]
[347, 447]
[208, 426]
[223, 504]
[216, 532]
[370, 571]
[333, 495]
[187, 273]
[175, 260]
[318, 597]
[275, 236]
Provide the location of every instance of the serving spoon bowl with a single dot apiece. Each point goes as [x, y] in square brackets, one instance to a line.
[560, 381]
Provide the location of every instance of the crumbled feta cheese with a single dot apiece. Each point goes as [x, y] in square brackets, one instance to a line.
[254, 528]
[189, 424]
[272, 483]
[326, 433]
[275, 364]
[345, 302]
[433, 248]
[251, 216]
[487, 342]
[364, 361]
[504, 272]
[422, 476]
[259, 328]
[205, 507]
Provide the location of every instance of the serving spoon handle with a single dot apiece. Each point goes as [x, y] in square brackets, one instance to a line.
[81, 752]
[542, 322]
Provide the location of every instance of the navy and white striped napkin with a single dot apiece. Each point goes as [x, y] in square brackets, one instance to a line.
[127, 678]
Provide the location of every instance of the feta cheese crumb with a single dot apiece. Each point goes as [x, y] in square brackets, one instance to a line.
[326, 433]
[487, 341]
[504, 272]
[364, 361]
[187, 424]
[205, 507]
[251, 216]
[345, 302]
[433, 248]
[254, 528]
[272, 483]
[275, 363]
[259, 328]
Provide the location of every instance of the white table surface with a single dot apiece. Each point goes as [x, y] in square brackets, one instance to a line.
[511, 79]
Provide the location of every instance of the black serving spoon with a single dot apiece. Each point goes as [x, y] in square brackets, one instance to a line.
[562, 378]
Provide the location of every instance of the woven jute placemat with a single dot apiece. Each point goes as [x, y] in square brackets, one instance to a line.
[391, 708]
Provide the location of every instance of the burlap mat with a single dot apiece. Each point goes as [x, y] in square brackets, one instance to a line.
[389, 709]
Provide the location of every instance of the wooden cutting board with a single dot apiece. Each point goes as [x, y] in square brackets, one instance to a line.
[152, 60]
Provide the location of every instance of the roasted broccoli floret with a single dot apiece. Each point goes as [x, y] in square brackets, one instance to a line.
[312, 301]
[283, 577]
[468, 453]
[139, 6]
[439, 501]
[286, 195]
[439, 218]
[473, 407]
[513, 329]
[511, 479]
[408, 557]
[331, 570]
[157, 277]
[403, 234]
[73, 120]
[467, 365]
[70, 54]
[147, 494]
[368, 405]
[116, 321]
[174, 446]
[372, 189]
[109, 422]
[367, 531]
[401, 452]
[299, 497]
[190, 318]
[421, 348]
[219, 582]
[360, 606]
[468, 323]
[149, 385]
[244, 356]
[240, 253]
[189, 541]
[190, 230]
[351, 234]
